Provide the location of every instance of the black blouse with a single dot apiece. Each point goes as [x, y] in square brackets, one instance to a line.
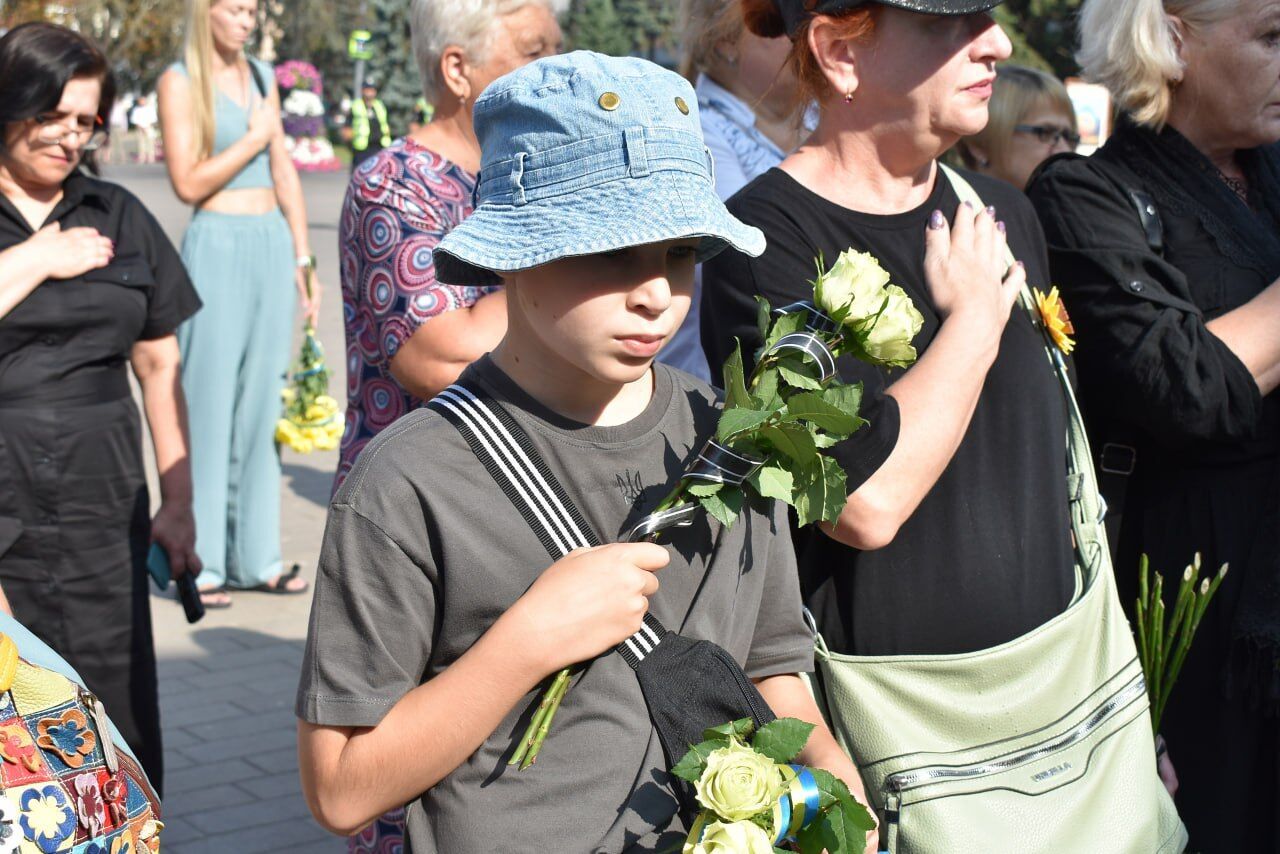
[987, 554]
[70, 339]
[1147, 358]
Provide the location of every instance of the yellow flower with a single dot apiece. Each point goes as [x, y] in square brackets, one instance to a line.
[739, 837]
[1054, 316]
[889, 341]
[738, 782]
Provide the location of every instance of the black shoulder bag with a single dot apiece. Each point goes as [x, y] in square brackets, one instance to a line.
[688, 685]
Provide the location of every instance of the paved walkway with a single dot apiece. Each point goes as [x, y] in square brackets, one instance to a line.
[227, 683]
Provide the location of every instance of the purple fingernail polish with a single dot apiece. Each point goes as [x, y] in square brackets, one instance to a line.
[937, 220]
[991, 211]
[968, 205]
[1001, 227]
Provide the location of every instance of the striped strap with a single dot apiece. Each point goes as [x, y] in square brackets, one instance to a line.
[508, 455]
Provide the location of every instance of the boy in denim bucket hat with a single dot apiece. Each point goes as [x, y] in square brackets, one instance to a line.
[438, 612]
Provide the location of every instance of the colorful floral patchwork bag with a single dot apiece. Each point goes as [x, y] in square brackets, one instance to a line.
[65, 784]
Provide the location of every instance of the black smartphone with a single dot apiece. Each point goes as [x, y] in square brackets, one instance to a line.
[190, 596]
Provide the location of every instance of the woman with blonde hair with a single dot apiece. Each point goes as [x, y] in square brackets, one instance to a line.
[1166, 245]
[1032, 119]
[248, 253]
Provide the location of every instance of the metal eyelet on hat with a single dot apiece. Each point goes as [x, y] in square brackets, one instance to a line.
[681, 105]
[609, 101]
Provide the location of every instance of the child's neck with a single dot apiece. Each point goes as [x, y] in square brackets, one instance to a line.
[573, 393]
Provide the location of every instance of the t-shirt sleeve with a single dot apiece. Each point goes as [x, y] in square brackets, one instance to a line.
[730, 283]
[372, 621]
[174, 297]
[1143, 345]
[781, 642]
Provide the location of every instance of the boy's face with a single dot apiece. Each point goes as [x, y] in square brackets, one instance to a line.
[605, 316]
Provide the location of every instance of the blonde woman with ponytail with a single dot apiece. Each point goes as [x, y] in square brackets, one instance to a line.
[1176, 311]
[247, 251]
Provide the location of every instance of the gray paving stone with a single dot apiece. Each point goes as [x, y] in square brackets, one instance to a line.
[207, 774]
[279, 721]
[176, 738]
[173, 705]
[177, 831]
[274, 673]
[241, 746]
[175, 761]
[272, 785]
[273, 838]
[207, 797]
[276, 761]
[272, 811]
[177, 669]
[289, 652]
[196, 716]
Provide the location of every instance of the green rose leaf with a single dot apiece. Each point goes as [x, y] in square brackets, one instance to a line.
[846, 398]
[826, 440]
[735, 388]
[724, 505]
[703, 488]
[740, 729]
[782, 739]
[739, 419]
[784, 326]
[819, 491]
[814, 409]
[765, 394]
[772, 482]
[691, 766]
[763, 316]
[793, 440]
[798, 373]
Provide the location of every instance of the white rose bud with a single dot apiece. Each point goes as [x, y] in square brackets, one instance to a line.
[739, 783]
[739, 837]
[856, 281]
[889, 340]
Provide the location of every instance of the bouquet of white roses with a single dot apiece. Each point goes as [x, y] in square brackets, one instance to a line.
[755, 801]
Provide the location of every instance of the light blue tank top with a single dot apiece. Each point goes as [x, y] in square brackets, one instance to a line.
[231, 121]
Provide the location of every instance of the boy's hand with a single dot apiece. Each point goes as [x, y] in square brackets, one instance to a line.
[588, 602]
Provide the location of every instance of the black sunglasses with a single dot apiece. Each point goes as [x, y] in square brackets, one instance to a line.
[1050, 135]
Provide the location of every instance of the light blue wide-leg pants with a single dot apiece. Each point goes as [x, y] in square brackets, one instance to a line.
[235, 352]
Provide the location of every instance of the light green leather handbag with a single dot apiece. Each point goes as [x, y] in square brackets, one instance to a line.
[1041, 744]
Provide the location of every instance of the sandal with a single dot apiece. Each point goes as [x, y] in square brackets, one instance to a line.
[215, 598]
[280, 584]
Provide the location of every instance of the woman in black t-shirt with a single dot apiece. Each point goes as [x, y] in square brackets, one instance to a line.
[955, 536]
[89, 285]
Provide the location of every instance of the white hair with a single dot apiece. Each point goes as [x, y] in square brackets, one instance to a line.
[1131, 47]
[436, 24]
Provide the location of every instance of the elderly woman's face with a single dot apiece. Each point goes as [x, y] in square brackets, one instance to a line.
[530, 32]
[930, 74]
[231, 22]
[1232, 77]
[30, 155]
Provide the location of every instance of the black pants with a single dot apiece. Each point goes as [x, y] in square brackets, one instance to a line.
[75, 574]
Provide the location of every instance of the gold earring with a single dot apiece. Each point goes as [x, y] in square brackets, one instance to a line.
[848, 97]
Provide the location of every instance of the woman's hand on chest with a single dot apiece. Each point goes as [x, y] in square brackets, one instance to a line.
[72, 252]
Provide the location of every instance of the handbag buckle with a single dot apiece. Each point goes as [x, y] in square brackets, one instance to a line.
[1118, 459]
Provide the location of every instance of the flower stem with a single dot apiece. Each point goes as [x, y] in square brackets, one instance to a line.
[531, 731]
[544, 726]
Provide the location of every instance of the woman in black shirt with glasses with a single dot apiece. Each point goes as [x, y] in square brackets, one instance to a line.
[89, 284]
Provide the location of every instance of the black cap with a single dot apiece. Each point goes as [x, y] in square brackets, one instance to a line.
[794, 12]
[369, 83]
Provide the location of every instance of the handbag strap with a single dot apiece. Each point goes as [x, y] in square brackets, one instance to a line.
[506, 452]
[1087, 507]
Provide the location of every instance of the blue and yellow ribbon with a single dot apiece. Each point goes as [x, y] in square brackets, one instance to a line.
[799, 804]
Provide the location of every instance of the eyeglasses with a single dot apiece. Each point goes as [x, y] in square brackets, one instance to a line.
[1050, 135]
[53, 133]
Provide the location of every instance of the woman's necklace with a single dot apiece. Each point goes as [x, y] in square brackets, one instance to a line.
[1236, 185]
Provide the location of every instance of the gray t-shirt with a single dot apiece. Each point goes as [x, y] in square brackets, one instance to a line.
[423, 552]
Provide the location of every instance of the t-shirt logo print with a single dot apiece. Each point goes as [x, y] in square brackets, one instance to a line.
[630, 485]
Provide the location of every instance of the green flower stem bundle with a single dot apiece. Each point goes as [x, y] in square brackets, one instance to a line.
[755, 800]
[1163, 645]
[791, 407]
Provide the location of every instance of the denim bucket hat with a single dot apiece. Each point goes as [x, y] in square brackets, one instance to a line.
[583, 154]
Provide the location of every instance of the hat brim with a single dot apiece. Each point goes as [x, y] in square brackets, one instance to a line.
[668, 205]
[942, 7]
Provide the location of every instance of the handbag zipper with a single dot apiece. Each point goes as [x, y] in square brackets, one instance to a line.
[761, 713]
[99, 715]
[910, 779]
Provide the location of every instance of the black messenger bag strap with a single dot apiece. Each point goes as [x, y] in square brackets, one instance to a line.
[688, 685]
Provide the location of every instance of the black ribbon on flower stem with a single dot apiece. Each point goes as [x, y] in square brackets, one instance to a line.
[811, 342]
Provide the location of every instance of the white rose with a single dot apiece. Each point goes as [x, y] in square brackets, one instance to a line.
[739, 783]
[856, 281]
[739, 837]
[889, 340]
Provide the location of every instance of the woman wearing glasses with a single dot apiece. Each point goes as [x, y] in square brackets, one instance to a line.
[1032, 119]
[89, 284]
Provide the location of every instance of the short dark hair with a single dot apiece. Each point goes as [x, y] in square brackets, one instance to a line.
[37, 60]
